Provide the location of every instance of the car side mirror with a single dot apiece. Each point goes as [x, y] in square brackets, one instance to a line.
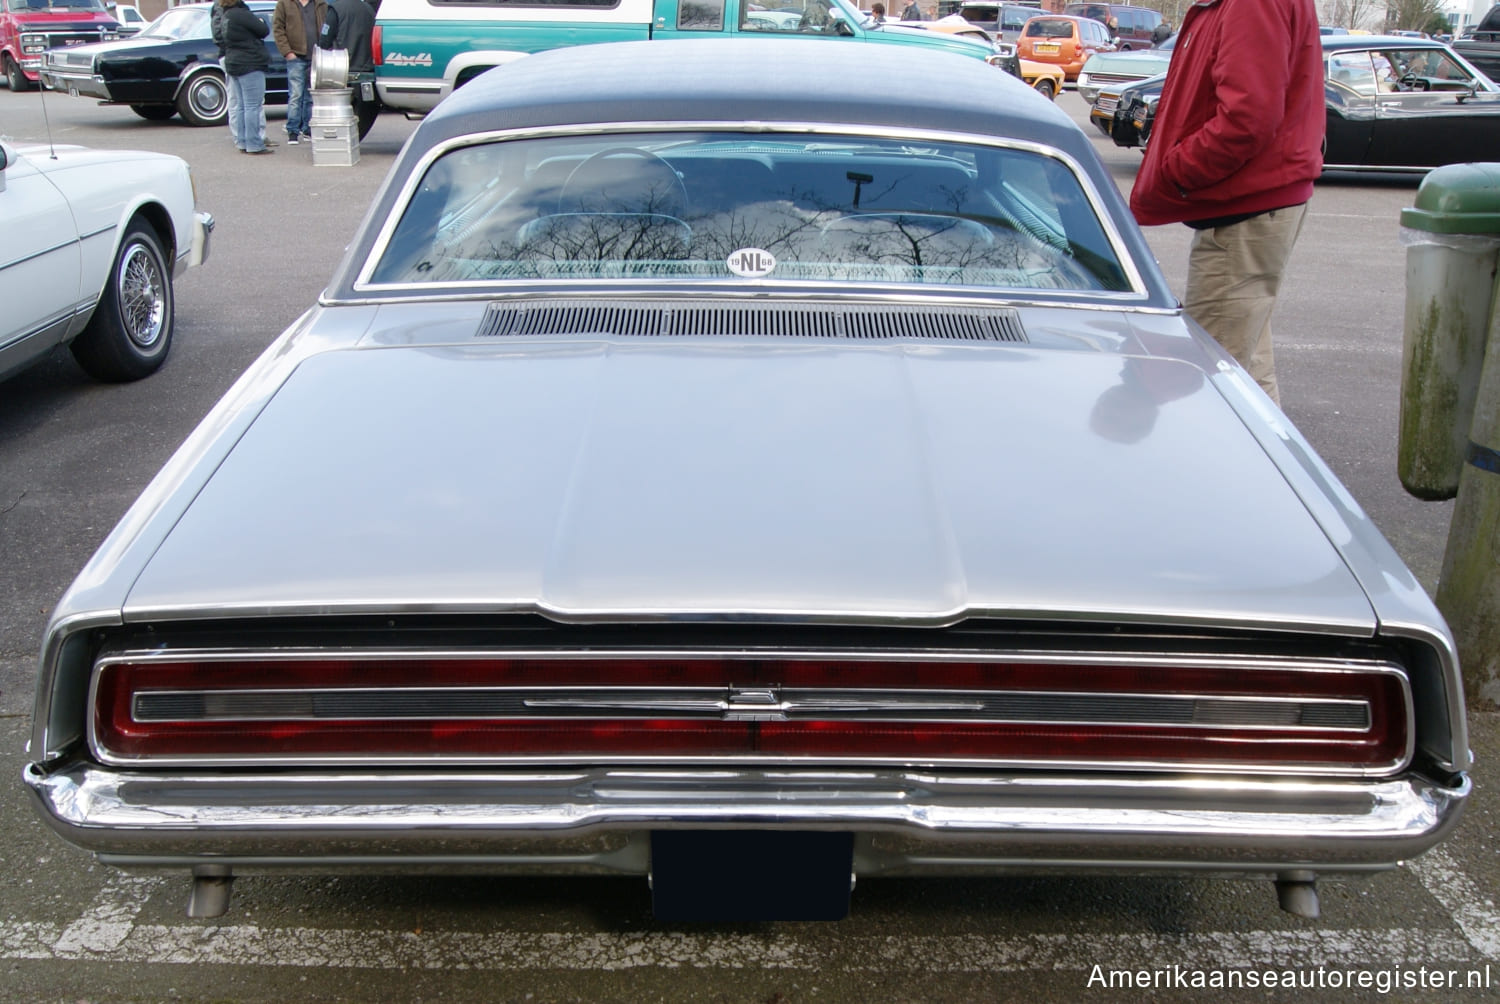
[1471, 91]
[842, 28]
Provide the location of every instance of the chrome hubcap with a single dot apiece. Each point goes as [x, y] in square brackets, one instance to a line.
[143, 297]
[209, 98]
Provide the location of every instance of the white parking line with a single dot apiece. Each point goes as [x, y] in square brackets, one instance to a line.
[354, 949]
[1471, 910]
[108, 932]
[110, 919]
[1345, 348]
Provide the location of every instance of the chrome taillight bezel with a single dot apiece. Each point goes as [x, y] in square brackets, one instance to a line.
[559, 704]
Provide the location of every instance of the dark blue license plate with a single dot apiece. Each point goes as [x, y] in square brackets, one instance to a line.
[738, 875]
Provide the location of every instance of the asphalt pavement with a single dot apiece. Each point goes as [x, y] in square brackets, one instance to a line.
[73, 454]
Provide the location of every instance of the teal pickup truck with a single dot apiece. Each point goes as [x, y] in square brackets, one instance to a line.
[425, 49]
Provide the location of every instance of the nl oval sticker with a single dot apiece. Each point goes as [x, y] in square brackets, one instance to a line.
[752, 263]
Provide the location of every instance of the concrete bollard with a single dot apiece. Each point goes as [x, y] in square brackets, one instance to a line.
[1450, 399]
[1469, 589]
[1452, 236]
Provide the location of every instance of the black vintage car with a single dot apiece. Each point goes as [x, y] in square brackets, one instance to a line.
[170, 68]
[1394, 104]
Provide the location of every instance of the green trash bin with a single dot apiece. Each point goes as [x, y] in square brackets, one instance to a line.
[1452, 238]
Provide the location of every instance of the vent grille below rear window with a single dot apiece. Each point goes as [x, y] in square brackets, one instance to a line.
[761, 320]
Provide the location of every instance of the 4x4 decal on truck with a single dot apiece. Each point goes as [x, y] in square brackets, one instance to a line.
[400, 59]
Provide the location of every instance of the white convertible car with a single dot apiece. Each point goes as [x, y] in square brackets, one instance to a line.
[93, 239]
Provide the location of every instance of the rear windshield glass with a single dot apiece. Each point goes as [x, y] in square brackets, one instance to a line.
[55, 5]
[775, 207]
[1044, 28]
[1097, 11]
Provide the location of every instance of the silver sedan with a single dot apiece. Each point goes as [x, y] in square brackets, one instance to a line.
[678, 472]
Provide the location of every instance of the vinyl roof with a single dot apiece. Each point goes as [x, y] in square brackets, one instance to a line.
[774, 80]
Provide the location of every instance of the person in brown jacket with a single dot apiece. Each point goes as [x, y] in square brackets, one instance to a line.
[296, 25]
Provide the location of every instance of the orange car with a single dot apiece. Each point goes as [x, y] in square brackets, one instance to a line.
[1065, 42]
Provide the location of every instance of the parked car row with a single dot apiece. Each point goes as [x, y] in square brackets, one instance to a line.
[1394, 103]
[1115, 69]
[1064, 41]
[1045, 78]
[171, 67]
[1129, 27]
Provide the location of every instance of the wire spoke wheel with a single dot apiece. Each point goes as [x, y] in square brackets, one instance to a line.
[130, 332]
[143, 296]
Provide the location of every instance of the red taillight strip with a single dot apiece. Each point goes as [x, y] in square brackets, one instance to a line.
[1339, 717]
[761, 704]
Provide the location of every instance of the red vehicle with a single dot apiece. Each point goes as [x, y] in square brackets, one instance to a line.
[29, 28]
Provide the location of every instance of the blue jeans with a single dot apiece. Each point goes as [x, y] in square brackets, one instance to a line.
[299, 100]
[250, 109]
[233, 110]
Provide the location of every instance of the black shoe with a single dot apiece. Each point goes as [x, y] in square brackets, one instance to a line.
[264, 149]
[293, 140]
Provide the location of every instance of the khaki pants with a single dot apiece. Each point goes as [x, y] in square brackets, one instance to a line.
[1234, 273]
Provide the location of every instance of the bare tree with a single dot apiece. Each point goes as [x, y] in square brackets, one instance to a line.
[1415, 15]
[1353, 13]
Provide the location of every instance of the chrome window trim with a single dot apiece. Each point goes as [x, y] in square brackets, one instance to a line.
[1241, 663]
[414, 177]
[969, 297]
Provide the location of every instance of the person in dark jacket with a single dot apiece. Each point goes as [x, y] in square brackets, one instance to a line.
[350, 26]
[245, 63]
[1237, 162]
[232, 99]
[296, 25]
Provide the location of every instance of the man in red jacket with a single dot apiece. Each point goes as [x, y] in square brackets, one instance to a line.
[1234, 151]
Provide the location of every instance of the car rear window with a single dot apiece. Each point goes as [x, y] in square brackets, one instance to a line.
[1097, 11]
[1039, 27]
[1015, 18]
[729, 206]
[180, 23]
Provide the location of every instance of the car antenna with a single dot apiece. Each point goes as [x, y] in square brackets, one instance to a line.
[41, 93]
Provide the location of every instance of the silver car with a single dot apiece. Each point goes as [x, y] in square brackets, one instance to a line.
[677, 472]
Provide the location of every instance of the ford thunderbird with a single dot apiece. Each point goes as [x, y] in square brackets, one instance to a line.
[742, 451]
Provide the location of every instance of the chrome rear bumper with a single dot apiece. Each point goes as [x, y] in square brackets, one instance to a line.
[76, 82]
[908, 822]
